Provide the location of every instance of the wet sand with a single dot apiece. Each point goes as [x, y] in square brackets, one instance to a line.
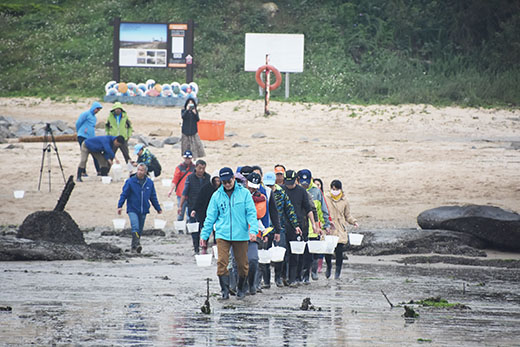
[395, 162]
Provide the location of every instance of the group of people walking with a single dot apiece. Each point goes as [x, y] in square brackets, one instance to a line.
[245, 210]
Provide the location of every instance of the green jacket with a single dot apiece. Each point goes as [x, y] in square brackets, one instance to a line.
[120, 125]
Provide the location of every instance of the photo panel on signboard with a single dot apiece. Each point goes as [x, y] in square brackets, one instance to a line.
[142, 44]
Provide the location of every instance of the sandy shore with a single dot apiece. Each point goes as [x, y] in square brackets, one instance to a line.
[394, 161]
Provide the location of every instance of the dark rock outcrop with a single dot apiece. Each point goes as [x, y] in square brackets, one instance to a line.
[498, 228]
[413, 241]
[53, 226]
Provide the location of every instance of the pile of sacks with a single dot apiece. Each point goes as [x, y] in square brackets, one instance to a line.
[152, 89]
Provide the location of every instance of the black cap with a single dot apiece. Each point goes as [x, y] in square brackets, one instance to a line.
[290, 177]
[226, 174]
[253, 180]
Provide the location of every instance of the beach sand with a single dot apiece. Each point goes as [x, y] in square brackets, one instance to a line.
[394, 161]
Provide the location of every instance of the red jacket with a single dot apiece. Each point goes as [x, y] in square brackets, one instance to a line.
[179, 177]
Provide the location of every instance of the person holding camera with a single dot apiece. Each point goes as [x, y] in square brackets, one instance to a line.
[190, 139]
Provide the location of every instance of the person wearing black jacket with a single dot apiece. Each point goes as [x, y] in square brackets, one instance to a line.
[205, 193]
[190, 139]
[300, 200]
[194, 183]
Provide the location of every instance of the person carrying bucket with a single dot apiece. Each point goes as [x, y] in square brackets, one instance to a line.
[340, 214]
[232, 212]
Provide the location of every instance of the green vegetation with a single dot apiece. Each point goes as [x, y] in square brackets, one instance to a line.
[438, 302]
[362, 51]
[423, 340]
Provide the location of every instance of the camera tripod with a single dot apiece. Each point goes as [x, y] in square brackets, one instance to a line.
[47, 149]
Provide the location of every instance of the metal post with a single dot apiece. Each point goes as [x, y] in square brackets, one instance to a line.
[287, 85]
[267, 86]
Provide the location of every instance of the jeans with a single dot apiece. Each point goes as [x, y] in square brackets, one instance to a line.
[184, 210]
[137, 224]
[96, 164]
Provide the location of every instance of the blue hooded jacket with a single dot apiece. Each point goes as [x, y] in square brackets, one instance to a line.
[234, 218]
[86, 123]
[138, 197]
[101, 144]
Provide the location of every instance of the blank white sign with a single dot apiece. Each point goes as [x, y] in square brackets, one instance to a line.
[285, 51]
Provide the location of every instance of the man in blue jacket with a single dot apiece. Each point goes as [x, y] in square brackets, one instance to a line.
[86, 127]
[232, 211]
[138, 191]
[101, 148]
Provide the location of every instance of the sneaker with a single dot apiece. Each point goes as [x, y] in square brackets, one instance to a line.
[314, 276]
[132, 250]
[279, 282]
[266, 286]
[293, 284]
[139, 249]
[259, 290]
[306, 281]
[285, 282]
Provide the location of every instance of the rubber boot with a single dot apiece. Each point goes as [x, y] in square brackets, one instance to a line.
[241, 288]
[327, 272]
[338, 271]
[78, 176]
[253, 268]
[224, 286]
[232, 282]
[314, 270]
[278, 274]
[266, 273]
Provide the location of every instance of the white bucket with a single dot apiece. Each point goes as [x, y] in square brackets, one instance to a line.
[18, 194]
[277, 254]
[264, 257]
[215, 251]
[180, 225]
[106, 179]
[332, 242]
[203, 259]
[168, 205]
[166, 182]
[297, 247]
[159, 223]
[317, 247]
[355, 239]
[119, 223]
[117, 172]
[193, 227]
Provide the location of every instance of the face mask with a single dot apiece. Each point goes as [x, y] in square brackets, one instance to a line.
[335, 192]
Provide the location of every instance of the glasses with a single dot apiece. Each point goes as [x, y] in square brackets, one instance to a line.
[227, 181]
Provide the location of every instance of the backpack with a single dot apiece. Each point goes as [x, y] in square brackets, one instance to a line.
[155, 166]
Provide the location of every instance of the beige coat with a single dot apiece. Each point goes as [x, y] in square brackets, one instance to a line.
[339, 211]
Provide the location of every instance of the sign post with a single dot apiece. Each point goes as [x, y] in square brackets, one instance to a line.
[267, 86]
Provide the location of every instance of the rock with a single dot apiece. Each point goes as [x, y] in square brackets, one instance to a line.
[22, 129]
[107, 247]
[498, 228]
[171, 140]
[55, 226]
[270, 8]
[258, 136]
[156, 143]
[230, 134]
[143, 139]
[239, 145]
[515, 145]
[14, 146]
[100, 125]
[160, 132]
[413, 241]
[68, 131]
[59, 125]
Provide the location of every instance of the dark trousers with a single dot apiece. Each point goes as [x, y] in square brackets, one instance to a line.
[339, 257]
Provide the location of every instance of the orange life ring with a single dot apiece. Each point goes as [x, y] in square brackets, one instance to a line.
[270, 68]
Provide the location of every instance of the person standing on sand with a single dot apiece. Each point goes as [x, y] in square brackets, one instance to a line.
[118, 124]
[232, 211]
[190, 139]
[339, 209]
[86, 128]
[182, 171]
[138, 192]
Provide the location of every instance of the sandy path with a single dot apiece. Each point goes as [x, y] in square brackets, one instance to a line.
[394, 161]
